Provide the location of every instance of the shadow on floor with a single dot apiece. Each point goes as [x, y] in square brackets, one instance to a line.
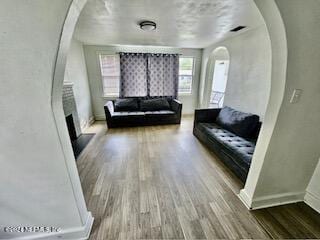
[80, 143]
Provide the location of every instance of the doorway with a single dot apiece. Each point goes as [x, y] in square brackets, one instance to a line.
[219, 83]
[217, 77]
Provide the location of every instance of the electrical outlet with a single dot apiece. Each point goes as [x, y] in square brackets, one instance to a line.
[296, 95]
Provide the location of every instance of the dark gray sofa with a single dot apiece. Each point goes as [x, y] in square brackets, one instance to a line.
[143, 112]
[234, 150]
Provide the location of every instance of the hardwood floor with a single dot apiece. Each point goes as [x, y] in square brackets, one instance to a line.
[161, 183]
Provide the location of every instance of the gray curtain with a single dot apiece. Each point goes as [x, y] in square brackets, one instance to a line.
[163, 75]
[146, 74]
[133, 75]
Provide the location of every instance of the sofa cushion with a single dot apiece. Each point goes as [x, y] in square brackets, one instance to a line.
[160, 112]
[240, 123]
[126, 104]
[154, 104]
[240, 148]
[125, 114]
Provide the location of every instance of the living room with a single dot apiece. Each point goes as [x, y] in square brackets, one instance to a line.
[160, 120]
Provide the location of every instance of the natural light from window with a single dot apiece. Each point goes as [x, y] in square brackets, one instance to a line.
[219, 83]
[186, 65]
[110, 73]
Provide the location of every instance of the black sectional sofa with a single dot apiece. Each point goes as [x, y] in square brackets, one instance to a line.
[230, 134]
[135, 111]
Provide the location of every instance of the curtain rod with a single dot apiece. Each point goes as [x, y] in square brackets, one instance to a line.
[150, 53]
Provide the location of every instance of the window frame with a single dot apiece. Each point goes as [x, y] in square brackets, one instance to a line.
[192, 75]
[99, 54]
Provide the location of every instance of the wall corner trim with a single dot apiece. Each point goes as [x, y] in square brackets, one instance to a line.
[80, 233]
[87, 227]
[313, 201]
[271, 200]
[245, 199]
[91, 120]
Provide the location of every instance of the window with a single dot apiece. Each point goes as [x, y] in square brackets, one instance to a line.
[186, 65]
[110, 72]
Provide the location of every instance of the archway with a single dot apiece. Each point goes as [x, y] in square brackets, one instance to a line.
[276, 30]
[56, 102]
[218, 65]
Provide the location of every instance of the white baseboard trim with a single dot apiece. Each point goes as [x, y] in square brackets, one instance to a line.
[271, 200]
[187, 114]
[245, 199]
[78, 233]
[91, 121]
[87, 124]
[100, 118]
[313, 201]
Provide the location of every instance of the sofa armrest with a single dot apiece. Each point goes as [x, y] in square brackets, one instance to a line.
[109, 108]
[206, 115]
[176, 106]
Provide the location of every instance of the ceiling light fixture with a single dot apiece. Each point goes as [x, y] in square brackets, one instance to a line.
[148, 25]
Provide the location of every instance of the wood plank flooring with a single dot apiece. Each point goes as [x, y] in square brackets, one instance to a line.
[159, 182]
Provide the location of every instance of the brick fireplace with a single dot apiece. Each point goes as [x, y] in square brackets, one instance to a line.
[70, 111]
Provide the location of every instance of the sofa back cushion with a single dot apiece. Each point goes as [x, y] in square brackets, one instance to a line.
[126, 104]
[240, 123]
[154, 104]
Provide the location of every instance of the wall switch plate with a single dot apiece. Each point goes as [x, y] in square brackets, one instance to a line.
[296, 95]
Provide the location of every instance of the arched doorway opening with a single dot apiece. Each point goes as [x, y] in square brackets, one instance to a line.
[57, 108]
[220, 61]
[279, 52]
[278, 40]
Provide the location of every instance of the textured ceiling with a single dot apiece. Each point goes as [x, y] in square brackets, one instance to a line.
[180, 23]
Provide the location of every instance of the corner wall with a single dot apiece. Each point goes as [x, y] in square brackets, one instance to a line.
[76, 72]
[294, 148]
[37, 187]
[292, 155]
[312, 197]
[248, 84]
[92, 60]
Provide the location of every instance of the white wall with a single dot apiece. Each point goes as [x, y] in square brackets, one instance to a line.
[248, 84]
[36, 189]
[293, 151]
[76, 72]
[312, 197]
[93, 68]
